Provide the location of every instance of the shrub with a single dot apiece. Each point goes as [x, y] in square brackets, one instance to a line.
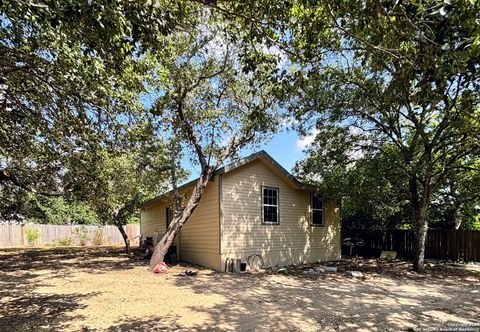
[81, 233]
[33, 234]
[98, 237]
[65, 242]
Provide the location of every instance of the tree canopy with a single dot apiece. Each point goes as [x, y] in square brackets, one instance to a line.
[97, 95]
[405, 85]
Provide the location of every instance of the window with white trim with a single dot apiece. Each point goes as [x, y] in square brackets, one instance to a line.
[270, 213]
[316, 210]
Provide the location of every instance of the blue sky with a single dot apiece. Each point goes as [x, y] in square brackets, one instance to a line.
[286, 147]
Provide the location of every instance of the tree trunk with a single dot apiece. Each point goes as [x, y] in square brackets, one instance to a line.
[178, 221]
[457, 220]
[125, 238]
[419, 208]
[419, 237]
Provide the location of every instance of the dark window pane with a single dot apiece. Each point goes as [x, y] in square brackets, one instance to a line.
[317, 217]
[270, 214]
[274, 200]
[317, 202]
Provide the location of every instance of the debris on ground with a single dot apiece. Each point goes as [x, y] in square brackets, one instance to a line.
[330, 269]
[371, 268]
[67, 288]
[388, 254]
[356, 274]
[310, 271]
[161, 267]
[191, 273]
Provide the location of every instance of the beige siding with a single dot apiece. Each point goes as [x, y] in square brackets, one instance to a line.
[200, 237]
[235, 230]
[294, 240]
[153, 219]
[199, 240]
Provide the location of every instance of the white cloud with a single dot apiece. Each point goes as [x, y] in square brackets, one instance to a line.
[305, 141]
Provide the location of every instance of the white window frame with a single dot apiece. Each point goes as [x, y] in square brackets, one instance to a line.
[312, 210]
[271, 205]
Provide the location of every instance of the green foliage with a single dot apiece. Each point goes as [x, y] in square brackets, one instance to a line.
[73, 85]
[475, 225]
[81, 234]
[124, 178]
[32, 234]
[134, 219]
[400, 86]
[97, 237]
[65, 242]
[70, 82]
[229, 100]
[59, 211]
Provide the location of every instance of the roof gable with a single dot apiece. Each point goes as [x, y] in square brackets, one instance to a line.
[264, 156]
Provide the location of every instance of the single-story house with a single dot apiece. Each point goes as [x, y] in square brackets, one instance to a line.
[251, 206]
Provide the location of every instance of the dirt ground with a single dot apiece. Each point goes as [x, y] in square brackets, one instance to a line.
[101, 289]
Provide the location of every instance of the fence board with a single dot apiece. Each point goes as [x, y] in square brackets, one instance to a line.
[14, 235]
[439, 244]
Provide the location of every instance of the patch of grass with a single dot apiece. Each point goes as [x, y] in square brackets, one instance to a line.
[32, 234]
[81, 234]
[65, 242]
[97, 238]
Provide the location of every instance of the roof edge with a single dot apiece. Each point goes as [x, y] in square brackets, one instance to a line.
[234, 165]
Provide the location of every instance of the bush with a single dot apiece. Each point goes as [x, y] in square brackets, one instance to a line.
[98, 237]
[81, 234]
[33, 234]
[66, 242]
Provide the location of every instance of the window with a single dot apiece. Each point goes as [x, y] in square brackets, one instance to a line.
[169, 217]
[317, 210]
[270, 205]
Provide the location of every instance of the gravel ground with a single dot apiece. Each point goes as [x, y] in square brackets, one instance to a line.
[102, 289]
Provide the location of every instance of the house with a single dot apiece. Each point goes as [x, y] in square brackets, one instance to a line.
[251, 206]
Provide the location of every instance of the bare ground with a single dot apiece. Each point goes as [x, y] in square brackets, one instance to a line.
[101, 289]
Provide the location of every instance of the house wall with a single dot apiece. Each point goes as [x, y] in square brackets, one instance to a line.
[199, 239]
[294, 240]
[153, 220]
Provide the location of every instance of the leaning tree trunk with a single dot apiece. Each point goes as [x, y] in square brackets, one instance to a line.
[125, 237]
[177, 223]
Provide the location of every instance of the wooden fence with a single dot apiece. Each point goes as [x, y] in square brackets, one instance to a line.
[440, 244]
[15, 236]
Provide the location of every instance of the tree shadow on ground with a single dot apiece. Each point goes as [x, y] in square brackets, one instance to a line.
[39, 312]
[87, 259]
[25, 271]
[167, 323]
[389, 298]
